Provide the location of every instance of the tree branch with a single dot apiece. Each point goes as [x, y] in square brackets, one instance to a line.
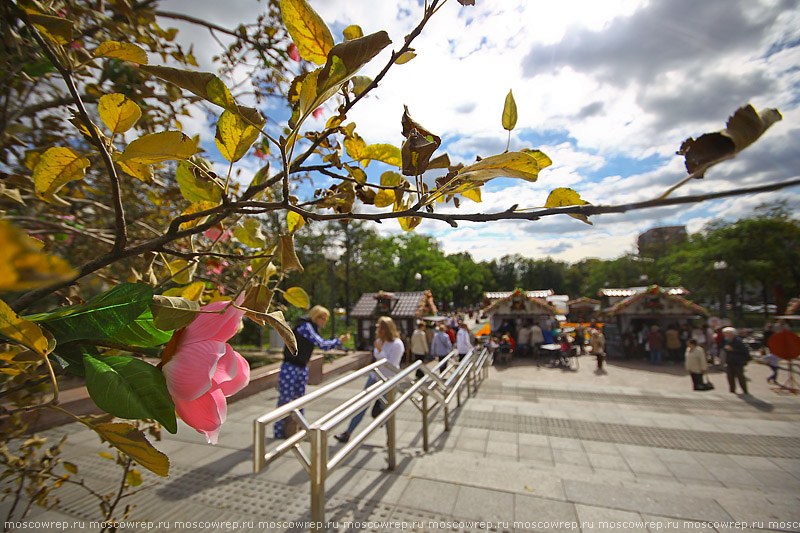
[121, 236]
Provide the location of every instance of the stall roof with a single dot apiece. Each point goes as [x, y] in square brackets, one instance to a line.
[585, 302]
[654, 290]
[530, 294]
[406, 304]
[540, 302]
[630, 291]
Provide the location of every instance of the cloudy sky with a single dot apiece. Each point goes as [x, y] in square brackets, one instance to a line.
[608, 89]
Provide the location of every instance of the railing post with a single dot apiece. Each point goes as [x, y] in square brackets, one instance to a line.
[446, 418]
[391, 434]
[425, 422]
[259, 434]
[319, 471]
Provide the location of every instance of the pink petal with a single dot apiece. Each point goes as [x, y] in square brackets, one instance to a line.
[293, 53]
[213, 326]
[318, 112]
[190, 370]
[233, 372]
[205, 414]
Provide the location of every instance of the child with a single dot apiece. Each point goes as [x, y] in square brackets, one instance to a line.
[773, 361]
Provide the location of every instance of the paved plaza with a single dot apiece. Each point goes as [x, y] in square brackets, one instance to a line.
[535, 449]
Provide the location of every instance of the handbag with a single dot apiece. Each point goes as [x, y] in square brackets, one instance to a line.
[377, 408]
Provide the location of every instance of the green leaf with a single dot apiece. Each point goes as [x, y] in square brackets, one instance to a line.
[510, 112]
[307, 29]
[130, 388]
[57, 167]
[173, 312]
[135, 445]
[195, 185]
[125, 51]
[102, 317]
[118, 112]
[346, 59]
[250, 234]
[143, 332]
[234, 136]
[72, 354]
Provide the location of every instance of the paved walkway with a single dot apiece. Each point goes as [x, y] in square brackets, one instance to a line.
[536, 449]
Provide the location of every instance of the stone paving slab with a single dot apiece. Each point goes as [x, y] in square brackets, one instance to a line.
[526, 455]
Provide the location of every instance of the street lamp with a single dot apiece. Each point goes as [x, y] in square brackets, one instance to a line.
[418, 277]
[720, 267]
[330, 257]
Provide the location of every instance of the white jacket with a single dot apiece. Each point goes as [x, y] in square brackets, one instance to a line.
[462, 341]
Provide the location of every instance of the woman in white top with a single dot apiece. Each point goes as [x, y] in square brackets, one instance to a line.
[387, 346]
[696, 364]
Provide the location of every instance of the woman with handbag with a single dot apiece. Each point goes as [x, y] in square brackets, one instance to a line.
[387, 346]
[696, 364]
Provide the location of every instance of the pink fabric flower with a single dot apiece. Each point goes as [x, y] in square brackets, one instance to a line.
[202, 369]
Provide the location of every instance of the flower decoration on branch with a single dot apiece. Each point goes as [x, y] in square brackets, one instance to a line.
[202, 369]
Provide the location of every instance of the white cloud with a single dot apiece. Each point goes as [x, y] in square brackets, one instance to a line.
[608, 90]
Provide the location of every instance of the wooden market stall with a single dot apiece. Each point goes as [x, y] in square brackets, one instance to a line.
[642, 307]
[583, 310]
[405, 308]
[516, 308]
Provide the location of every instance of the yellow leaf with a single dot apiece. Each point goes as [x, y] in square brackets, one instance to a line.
[356, 147]
[57, 29]
[134, 478]
[22, 266]
[132, 442]
[307, 29]
[352, 32]
[56, 167]
[125, 51]
[294, 221]
[139, 171]
[405, 57]
[234, 136]
[383, 152]
[181, 271]
[297, 297]
[118, 112]
[193, 291]
[105, 455]
[289, 260]
[196, 207]
[409, 223]
[21, 331]
[473, 194]
[521, 165]
[158, 147]
[509, 112]
[384, 198]
[564, 196]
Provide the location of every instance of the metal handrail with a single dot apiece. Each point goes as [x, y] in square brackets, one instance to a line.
[441, 384]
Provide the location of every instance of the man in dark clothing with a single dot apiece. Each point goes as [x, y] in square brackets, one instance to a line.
[737, 355]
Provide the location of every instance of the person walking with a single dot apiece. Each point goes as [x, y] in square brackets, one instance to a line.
[463, 344]
[672, 338]
[696, 364]
[387, 346]
[737, 356]
[441, 344]
[419, 346]
[537, 338]
[597, 342]
[655, 342]
[293, 375]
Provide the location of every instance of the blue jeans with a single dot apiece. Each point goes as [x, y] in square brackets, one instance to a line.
[356, 420]
[655, 357]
